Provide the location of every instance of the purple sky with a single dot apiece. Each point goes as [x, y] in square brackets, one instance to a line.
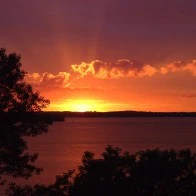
[62, 32]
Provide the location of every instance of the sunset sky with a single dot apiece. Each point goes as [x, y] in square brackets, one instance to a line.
[106, 55]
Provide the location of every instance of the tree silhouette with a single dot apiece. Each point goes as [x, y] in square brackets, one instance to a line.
[151, 172]
[15, 94]
[19, 117]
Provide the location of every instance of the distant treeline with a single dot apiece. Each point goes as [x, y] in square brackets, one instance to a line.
[32, 117]
[122, 114]
[49, 117]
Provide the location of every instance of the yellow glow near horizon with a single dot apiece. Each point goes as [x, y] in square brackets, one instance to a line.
[83, 105]
[80, 107]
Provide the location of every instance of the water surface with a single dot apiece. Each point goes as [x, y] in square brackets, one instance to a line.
[62, 147]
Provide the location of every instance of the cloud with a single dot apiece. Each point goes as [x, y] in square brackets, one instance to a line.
[118, 69]
[179, 66]
[191, 67]
[83, 69]
[46, 79]
[123, 68]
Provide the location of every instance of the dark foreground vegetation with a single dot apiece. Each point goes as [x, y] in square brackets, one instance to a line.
[19, 107]
[150, 172]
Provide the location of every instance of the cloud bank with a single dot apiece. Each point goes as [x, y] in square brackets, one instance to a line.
[179, 66]
[123, 68]
[126, 68]
[119, 69]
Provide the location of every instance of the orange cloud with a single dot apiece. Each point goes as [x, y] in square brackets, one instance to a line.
[48, 80]
[119, 69]
[103, 70]
[179, 66]
[84, 69]
[191, 67]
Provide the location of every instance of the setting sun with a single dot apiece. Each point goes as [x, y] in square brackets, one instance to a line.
[80, 107]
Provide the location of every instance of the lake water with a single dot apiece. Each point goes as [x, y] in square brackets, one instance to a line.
[62, 147]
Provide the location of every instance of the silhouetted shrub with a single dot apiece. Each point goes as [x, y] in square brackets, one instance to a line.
[151, 172]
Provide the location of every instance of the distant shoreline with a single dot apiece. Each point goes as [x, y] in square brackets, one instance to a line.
[50, 116]
[65, 114]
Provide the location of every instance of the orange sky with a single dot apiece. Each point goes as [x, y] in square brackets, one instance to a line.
[106, 55]
[119, 85]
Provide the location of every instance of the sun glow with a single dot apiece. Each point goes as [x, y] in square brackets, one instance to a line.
[83, 105]
[80, 107]
[86, 105]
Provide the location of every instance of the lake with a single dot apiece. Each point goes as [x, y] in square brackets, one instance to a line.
[62, 147]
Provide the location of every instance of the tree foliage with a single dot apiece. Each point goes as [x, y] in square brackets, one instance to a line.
[19, 107]
[151, 172]
[15, 94]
